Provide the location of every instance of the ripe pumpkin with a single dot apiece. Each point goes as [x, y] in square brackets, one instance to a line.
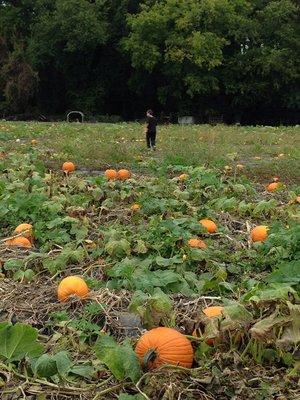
[123, 174]
[259, 233]
[213, 311]
[19, 241]
[197, 243]
[183, 177]
[164, 346]
[68, 167]
[135, 207]
[72, 285]
[111, 174]
[273, 186]
[26, 230]
[209, 225]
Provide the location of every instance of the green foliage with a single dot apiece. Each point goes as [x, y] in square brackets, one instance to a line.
[120, 359]
[18, 341]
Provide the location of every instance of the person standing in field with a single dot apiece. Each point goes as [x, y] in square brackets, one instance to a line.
[150, 130]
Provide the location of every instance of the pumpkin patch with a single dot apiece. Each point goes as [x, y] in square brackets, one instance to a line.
[166, 285]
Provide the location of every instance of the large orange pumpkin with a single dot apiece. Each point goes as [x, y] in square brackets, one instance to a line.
[164, 346]
[19, 241]
[209, 225]
[123, 174]
[273, 186]
[72, 286]
[197, 243]
[111, 174]
[213, 311]
[259, 233]
[26, 230]
[68, 167]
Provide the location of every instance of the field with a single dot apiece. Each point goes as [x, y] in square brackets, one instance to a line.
[130, 241]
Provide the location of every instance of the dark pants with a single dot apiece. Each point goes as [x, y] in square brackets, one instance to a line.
[150, 138]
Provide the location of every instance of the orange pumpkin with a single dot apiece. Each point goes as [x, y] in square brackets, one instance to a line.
[135, 207]
[273, 186]
[26, 230]
[197, 243]
[164, 346]
[259, 233]
[209, 225]
[72, 286]
[111, 174]
[34, 142]
[123, 174]
[213, 311]
[68, 167]
[183, 177]
[19, 241]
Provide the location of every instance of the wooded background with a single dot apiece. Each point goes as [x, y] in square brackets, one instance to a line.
[236, 59]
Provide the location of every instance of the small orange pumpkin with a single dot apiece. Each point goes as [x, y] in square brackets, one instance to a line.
[123, 174]
[273, 186]
[183, 177]
[34, 142]
[197, 243]
[259, 233]
[164, 346]
[72, 286]
[19, 241]
[209, 225]
[111, 174]
[68, 167]
[26, 230]
[135, 207]
[213, 311]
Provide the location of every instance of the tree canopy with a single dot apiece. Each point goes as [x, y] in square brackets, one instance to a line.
[236, 58]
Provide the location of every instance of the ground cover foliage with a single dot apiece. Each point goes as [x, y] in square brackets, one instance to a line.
[142, 274]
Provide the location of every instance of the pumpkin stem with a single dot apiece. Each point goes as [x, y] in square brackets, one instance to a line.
[150, 356]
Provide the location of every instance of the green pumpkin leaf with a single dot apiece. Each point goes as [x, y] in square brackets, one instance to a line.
[19, 341]
[121, 360]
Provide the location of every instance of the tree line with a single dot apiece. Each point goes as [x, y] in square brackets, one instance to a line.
[232, 60]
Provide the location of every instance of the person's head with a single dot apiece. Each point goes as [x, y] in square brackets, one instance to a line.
[150, 112]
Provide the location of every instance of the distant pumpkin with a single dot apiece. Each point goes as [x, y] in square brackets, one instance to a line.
[183, 177]
[273, 186]
[210, 226]
[123, 174]
[72, 286]
[197, 243]
[19, 241]
[111, 174]
[213, 311]
[259, 233]
[68, 167]
[26, 230]
[34, 142]
[135, 207]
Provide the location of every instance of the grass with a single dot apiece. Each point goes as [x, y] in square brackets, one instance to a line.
[97, 146]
